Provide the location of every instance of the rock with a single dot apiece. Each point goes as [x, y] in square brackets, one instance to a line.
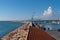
[18, 34]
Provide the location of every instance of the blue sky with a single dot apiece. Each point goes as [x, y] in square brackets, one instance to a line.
[24, 9]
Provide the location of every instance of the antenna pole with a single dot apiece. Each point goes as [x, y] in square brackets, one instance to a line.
[33, 17]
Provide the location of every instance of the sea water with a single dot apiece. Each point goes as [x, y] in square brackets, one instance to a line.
[8, 26]
[53, 26]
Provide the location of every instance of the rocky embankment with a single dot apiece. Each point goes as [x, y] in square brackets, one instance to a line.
[20, 33]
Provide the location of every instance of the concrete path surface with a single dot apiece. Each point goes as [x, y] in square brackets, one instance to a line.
[54, 34]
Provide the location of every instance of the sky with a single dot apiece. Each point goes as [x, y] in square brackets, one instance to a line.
[24, 9]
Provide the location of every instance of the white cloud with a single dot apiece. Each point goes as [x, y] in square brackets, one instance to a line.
[49, 15]
[46, 14]
[48, 11]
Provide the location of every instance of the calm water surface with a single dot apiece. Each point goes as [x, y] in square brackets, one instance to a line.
[8, 26]
[54, 26]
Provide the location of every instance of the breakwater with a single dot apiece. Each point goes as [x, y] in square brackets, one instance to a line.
[28, 31]
[18, 34]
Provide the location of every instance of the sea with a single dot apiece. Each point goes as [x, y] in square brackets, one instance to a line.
[8, 26]
[52, 26]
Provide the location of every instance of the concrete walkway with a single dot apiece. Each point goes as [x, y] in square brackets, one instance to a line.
[54, 34]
